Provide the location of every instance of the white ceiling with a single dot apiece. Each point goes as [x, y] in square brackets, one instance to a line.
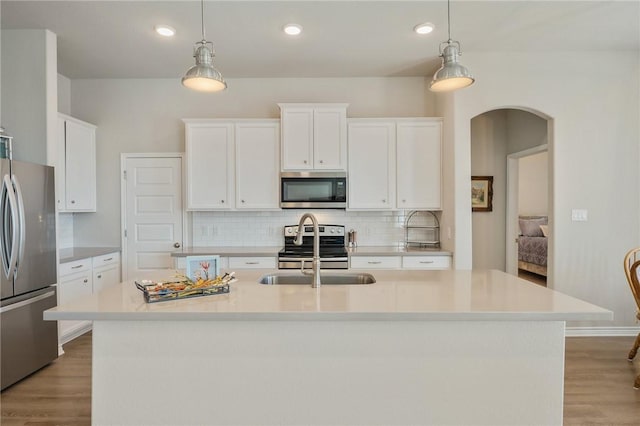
[115, 39]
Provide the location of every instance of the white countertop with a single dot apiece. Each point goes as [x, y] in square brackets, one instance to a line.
[75, 253]
[273, 251]
[397, 295]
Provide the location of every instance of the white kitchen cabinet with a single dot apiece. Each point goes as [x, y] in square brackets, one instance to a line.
[375, 262]
[76, 281]
[76, 165]
[210, 164]
[255, 262]
[426, 262]
[257, 149]
[314, 136]
[419, 164]
[81, 278]
[371, 150]
[106, 271]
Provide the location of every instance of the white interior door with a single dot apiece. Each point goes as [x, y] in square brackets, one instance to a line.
[152, 213]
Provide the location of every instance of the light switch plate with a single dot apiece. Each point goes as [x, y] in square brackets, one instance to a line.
[579, 215]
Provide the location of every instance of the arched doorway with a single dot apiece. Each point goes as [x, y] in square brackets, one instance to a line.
[499, 138]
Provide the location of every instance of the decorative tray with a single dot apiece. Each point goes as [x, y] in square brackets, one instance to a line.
[159, 291]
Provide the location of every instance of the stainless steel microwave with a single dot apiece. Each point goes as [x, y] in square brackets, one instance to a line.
[313, 190]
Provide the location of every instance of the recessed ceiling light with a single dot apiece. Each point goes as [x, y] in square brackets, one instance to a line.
[292, 29]
[425, 28]
[165, 30]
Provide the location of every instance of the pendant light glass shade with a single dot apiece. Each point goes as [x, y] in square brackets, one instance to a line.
[451, 75]
[203, 76]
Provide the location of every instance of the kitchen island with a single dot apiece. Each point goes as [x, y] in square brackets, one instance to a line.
[416, 347]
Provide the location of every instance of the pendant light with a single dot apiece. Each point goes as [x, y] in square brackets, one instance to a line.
[451, 75]
[203, 76]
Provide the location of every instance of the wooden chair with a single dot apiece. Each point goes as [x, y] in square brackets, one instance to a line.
[631, 270]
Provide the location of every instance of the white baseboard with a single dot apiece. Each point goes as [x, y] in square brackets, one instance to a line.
[601, 331]
[76, 332]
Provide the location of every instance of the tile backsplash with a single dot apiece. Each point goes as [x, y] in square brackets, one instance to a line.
[65, 230]
[254, 229]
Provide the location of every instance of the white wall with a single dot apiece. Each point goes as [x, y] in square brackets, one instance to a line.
[144, 116]
[533, 183]
[29, 92]
[64, 94]
[593, 158]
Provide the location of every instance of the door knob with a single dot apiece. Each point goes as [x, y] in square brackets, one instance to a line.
[176, 245]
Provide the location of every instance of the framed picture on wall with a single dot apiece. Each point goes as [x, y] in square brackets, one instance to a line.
[481, 193]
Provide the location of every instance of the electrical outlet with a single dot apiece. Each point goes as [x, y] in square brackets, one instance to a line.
[579, 215]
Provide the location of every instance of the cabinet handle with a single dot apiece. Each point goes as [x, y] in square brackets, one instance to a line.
[404, 201]
[176, 245]
[242, 201]
[73, 201]
[426, 261]
[106, 260]
[384, 201]
[86, 280]
[321, 162]
[76, 267]
[100, 276]
[377, 262]
[305, 161]
[251, 263]
[222, 201]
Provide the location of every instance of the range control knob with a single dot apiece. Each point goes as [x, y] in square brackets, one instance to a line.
[333, 230]
[289, 230]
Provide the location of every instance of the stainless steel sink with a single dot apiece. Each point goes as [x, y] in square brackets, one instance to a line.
[329, 279]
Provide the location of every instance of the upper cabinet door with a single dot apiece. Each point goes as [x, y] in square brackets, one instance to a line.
[419, 165]
[210, 165]
[257, 165]
[314, 136]
[330, 138]
[371, 164]
[297, 138]
[80, 167]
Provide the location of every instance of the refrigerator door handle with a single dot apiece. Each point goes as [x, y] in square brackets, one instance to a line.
[26, 302]
[9, 253]
[21, 222]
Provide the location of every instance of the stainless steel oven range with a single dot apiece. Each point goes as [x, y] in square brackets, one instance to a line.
[333, 254]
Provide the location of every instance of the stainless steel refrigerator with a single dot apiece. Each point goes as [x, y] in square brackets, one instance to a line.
[29, 269]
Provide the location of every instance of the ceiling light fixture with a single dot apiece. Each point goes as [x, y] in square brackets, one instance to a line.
[203, 76]
[292, 29]
[451, 75]
[425, 28]
[165, 30]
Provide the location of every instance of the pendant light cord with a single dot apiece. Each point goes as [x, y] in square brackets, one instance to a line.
[202, 18]
[449, 18]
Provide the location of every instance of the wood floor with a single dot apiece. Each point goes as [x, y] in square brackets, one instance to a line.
[598, 386]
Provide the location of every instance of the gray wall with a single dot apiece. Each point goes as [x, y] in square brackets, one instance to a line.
[145, 116]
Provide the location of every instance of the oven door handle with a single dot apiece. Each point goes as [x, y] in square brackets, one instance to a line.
[310, 259]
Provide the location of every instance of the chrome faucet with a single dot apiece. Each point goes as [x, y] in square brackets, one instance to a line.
[315, 265]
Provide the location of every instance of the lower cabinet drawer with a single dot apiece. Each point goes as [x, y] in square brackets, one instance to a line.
[252, 263]
[75, 267]
[376, 262]
[106, 259]
[426, 262]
